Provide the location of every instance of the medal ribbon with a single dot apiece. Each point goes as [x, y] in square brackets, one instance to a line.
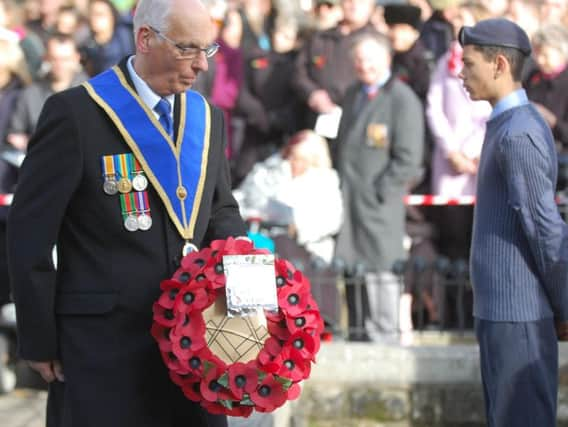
[124, 166]
[142, 205]
[127, 205]
[107, 163]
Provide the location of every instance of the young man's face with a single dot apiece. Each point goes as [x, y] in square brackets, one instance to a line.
[477, 74]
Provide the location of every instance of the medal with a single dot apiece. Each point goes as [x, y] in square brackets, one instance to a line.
[188, 248]
[110, 186]
[131, 223]
[124, 185]
[139, 182]
[144, 222]
[143, 210]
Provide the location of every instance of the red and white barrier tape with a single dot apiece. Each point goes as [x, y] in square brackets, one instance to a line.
[409, 200]
[6, 199]
[432, 200]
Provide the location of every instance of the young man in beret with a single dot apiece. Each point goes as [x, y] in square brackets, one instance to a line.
[519, 253]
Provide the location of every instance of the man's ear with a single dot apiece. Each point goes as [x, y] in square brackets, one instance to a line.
[501, 66]
[143, 37]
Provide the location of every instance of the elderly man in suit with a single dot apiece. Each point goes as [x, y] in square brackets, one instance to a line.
[122, 184]
[378, 153]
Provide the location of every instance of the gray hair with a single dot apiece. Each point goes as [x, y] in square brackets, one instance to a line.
[373, 36]
[552, 35]
[152, 12]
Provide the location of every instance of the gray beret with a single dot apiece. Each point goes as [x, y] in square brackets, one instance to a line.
[496, 32]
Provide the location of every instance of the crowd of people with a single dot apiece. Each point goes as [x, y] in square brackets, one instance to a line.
[282, 69]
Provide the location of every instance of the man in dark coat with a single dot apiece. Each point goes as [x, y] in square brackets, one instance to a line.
[378, 152]
[323, 69]
[85, 326]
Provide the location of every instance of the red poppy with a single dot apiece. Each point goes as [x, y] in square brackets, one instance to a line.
[260, 63]
[309, 320]
[165, 316]
[239, 411]
[319, 61]
[215, 273]
[291, 365]
[184, 346]
[293, 300]
[172, 362]
[269, 395]
[194, 261]
[192, 391]
[170, 289]
[270, 350]
[243, 378]
[284, 272]
[294, 391]
[190, 325]
[278, 329]
[305, 344]
[162, 335]
[192, 297]
[210, 388]
[182, 379]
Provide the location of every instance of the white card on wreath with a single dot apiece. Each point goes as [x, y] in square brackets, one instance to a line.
[250, 283]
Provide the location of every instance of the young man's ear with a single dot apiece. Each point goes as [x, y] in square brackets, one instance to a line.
[501, 66]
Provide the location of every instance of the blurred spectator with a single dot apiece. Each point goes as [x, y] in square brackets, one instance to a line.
[64, 70]
[412, 61]
[266, 100]
[12, 18]
[526, 13]
[553, 11]
[70, 22]
[281, 190]
[258, 21]
[13, 77]
[323, 68]
[457, 125]
[44, 25]
[496, 8]
[222, 83]
[547, 87]
[437, 32]
[327, 14]
[378, 152]
[109, 41]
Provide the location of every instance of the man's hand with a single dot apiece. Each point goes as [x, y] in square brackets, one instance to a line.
[18, 140]
[320, 102]
[461, 163]
[49, 371]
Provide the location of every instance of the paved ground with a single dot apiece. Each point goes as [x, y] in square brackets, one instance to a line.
[23, 408]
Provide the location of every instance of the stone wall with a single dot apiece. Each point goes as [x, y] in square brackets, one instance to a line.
[372, 385]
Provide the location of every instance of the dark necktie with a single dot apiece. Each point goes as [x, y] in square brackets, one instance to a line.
[164, 109]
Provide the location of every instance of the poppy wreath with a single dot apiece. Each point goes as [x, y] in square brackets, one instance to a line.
[262, 384]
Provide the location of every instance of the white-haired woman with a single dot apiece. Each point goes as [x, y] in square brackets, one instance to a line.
[297, 187]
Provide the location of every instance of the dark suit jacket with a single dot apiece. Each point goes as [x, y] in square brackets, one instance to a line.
[95, 311]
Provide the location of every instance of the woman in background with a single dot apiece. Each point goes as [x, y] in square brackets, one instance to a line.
[297, 188]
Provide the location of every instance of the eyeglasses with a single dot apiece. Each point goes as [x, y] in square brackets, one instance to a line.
[189, 51]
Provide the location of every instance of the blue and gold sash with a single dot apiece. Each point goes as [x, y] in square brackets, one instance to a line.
[177, 170]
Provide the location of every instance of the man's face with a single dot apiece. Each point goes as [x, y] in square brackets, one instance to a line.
[357, 12]
[63, 59]
[477, 74]
[372, 61]
[170, 71]
[403, 37]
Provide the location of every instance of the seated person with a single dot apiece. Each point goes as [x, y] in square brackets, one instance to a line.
[297, 188]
